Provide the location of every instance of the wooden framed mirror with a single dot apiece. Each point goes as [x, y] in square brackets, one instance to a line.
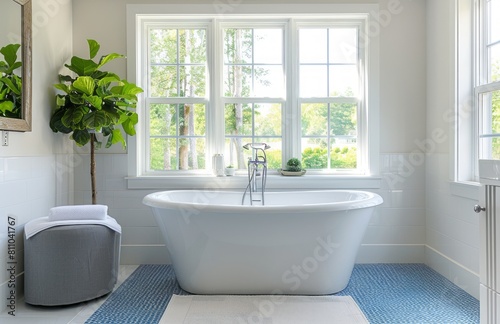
[22, 124]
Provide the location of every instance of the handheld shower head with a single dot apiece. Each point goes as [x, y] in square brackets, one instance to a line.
[257, 146]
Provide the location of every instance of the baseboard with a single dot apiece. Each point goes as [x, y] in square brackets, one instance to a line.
[453, 271]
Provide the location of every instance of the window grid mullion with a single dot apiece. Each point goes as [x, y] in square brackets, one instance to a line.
[328, 136]
[488, 45]
[253, 64]
[177, 142]
[177, 67]
[328, 74]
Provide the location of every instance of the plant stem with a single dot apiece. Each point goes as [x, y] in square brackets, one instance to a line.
[92, 168]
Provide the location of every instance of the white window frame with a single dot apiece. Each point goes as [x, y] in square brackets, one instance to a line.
[464, 164]
[137, 14]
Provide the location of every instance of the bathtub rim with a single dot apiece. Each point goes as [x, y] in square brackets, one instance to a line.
[371, 200]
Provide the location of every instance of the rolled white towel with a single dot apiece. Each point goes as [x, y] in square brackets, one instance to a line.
[40, 224]
[76, 212]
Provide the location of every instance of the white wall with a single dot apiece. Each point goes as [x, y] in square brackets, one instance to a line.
[452, 228]
[31, 176]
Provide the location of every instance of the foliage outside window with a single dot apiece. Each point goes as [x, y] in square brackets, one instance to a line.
[260, 83]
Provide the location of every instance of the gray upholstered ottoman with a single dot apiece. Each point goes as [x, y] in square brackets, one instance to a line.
[70, 264]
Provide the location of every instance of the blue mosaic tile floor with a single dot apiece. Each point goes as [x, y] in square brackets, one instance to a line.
[409, 293]
[386, 293]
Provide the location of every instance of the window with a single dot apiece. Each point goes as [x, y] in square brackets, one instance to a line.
[254, 88]
[329, 87]
[176, 101]
[487, 90]
[216, 82]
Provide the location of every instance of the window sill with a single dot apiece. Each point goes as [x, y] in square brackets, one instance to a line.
[274, 182]
[465, 189]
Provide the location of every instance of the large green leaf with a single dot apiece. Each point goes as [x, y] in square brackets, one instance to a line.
[108, 58]
[3, 91]
[129, 123]
[95, 101]
[76, 99]
[81, 66]
[101, 92]
[62, 87]
[13, 67]
[81, 137]
[65, 78]
[6, 106]
[107, 80]
[114, 114]
[12, 87]
[60, 100]
[95, 120]
[106, 131]
[129, 90]
[124, 115]
[73, 116]
[84, 84]
[93, 47]
[19, 81]
[10, 53]
[9, 70]
[98, 75]
[116, 137]
[56, 124]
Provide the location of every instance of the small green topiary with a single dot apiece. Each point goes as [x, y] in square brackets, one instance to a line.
[294, 165]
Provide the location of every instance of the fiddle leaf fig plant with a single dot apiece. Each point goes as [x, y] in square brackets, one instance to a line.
[10, 83]
[95, 101]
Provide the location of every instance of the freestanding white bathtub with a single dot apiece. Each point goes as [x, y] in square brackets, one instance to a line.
[300, 242]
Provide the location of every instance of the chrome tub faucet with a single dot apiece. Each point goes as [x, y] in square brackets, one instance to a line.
[257, 162]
